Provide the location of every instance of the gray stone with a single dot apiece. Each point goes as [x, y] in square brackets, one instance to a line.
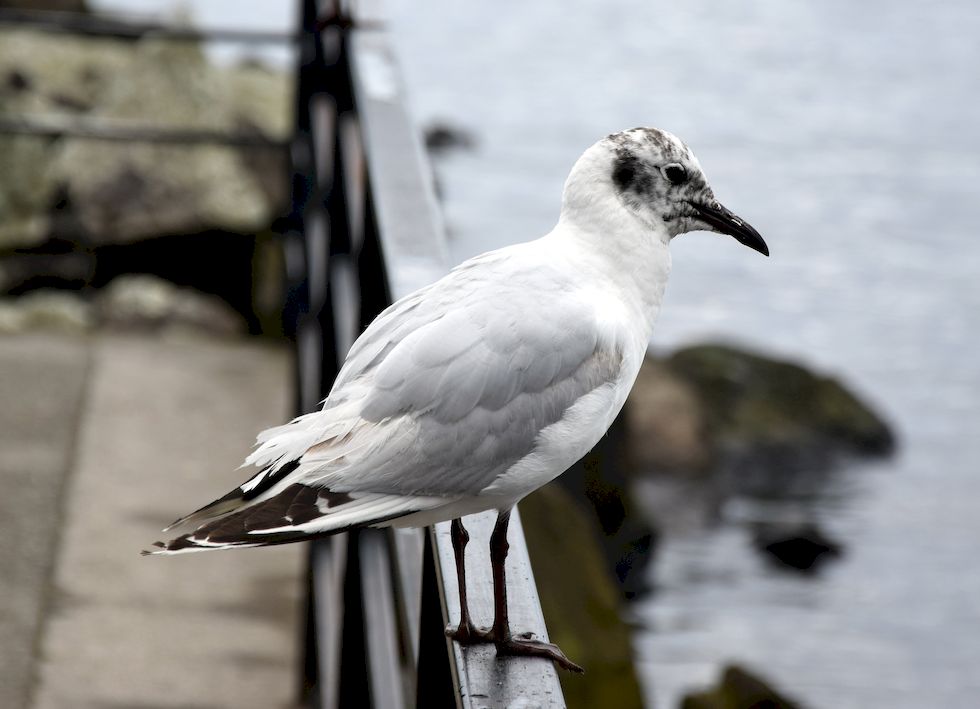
[739, 689]
[711, 406]
[59, 310]
[123, 192]
[144, 302]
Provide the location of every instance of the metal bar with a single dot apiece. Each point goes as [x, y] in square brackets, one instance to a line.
[408, 547]
[411, 233]
[354, 676]
[328, 563]
[436, 681]
[131, 28]
[87, 128]
[327, 559]
[380, 627]
[371, 579]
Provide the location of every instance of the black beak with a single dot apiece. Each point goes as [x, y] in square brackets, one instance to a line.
[722, 220]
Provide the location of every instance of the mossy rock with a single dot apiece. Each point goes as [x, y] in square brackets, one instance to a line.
[713, 407]
[739, 689]
[753, 398]
[581, 602]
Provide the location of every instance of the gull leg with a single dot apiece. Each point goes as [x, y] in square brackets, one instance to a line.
[500, 634]
[465, 633]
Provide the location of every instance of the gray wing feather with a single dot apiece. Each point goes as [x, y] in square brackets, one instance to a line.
[464, 380]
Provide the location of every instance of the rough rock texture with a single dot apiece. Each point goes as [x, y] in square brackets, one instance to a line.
[580, 600]
[146, 302]
[710, 422]
[54, 310]
[712, 406]
[738, 689]
[133, 302]
[666, 421]
[107, 192]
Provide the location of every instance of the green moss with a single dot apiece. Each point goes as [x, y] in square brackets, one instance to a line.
[756, 400]
[580, 600]
[738, 689]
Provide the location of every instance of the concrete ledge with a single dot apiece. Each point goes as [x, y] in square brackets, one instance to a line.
[42, 378]
[165, 425]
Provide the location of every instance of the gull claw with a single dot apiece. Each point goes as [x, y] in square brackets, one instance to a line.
[536, 648]
[520, 645]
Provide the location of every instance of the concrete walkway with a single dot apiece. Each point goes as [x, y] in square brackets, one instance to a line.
[141, 429]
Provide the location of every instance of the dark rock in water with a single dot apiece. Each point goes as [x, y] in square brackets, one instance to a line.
[440, 140]
[722, 422]
[804, 548]
[712, 424]
[667, 425]
[711, 407]
[580, 600]
[749, 397]
[441, 137]
[739, 689]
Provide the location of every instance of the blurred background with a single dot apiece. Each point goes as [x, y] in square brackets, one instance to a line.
[820, 532]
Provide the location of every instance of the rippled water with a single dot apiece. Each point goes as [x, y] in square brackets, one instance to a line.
[847, 133]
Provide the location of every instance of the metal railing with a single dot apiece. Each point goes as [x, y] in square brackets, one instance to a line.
[363, 229]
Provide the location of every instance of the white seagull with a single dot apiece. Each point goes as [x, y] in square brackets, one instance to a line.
[476, 390]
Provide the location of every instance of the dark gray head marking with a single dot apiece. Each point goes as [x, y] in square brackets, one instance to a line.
[626, 170]
[654, 175]
[634, 175]
[631, 173]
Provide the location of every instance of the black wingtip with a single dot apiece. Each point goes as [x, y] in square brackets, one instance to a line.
[148, 552]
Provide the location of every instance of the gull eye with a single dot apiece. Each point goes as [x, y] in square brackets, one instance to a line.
[674, 173]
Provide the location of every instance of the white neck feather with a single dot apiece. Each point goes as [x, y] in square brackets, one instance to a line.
[630, 257]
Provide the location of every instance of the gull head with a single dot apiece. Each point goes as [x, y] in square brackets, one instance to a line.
[650, 176]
